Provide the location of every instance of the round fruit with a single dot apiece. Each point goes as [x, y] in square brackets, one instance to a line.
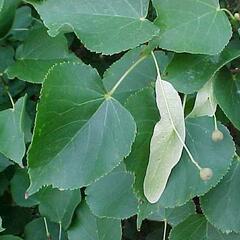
[206, 174]
[237, 16]
[217, 136]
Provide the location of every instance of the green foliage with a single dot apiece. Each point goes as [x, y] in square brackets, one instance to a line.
[126, 22]
[119, 120]
[192, 26]
[112, 196]
[228, 219]
[89, 227]
[12, 143]
[197, 227]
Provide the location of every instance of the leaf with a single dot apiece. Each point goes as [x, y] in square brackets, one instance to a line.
[103, 26]
[15, 87]
[186, 75]
[205, 103]
[166, 146]
[174, 216]
[12, 143]
[112, 196]
[81, 124]
[142, 106]
[155, 212]
[196, 227]
[4, 163]
[21, 24]
[7, 13]
[143, 75]
[1, 228]
[221, 204]
[58, 205]
[185, 182]
[35, 230]
[10, 237]
[227, 93]
[6, 57]
[19, 185]
[198, 27]
[3, 183]
[86, 226]
[37, 54]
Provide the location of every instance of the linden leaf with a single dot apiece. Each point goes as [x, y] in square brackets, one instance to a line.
[226, 194]
[142, 106]
[86, 226]
[36, 230]
[103, 26]
[142, 75]
[4, 162]
[112, 196]
[12, 143]
[197, 228]
[58, 206]
[7, 14]
[19, 184]
[6, 57]
[37, 54]
[187, 77]
[192, 26]
[10, 237]
[77, 121]
[227, 93]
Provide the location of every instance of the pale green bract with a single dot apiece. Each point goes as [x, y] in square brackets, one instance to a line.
[83, 133]
[106, 26]
[205, 103]
[166, 146]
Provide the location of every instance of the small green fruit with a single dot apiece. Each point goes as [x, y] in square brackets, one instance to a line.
[217, 136]
[206, 174]
[237, 16]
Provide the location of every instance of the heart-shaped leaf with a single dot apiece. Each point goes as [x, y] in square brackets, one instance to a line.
[78, 121]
